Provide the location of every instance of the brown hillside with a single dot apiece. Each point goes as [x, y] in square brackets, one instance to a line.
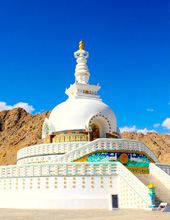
[19, 129]
[158, 143]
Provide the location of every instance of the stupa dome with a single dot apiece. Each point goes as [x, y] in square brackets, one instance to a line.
[79, 114]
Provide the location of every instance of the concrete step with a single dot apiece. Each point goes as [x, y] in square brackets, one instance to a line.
[162, 193]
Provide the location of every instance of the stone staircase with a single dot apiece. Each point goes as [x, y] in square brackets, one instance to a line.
[162, 193]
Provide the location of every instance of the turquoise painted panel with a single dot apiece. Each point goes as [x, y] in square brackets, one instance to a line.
[134, 159]
[47, 130]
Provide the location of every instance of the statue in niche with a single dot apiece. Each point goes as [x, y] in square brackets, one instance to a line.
[95, 131]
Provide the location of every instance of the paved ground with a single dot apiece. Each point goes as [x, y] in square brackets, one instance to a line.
[101, 214]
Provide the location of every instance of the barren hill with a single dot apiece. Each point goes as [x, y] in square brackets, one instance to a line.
[19, 129]
[157, 142]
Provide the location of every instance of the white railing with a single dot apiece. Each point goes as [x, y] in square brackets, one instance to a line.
[159, 174]
[106, 144]
[165, 168]
[46, 149]
[136, 185]
[58, 169]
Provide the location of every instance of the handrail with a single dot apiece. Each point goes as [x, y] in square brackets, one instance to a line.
[162, 176]
[163, 165]
[102, 144]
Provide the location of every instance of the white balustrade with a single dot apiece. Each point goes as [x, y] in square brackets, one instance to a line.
[165, 168]
[59, 169]
[158, 173]
[45, 149]
[137, 186]
[105, 144]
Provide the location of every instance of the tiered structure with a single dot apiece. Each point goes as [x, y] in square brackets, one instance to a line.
[83, 116]
[83, 162]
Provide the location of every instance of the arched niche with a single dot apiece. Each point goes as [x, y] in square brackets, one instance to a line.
[45, 128]
[102, 123]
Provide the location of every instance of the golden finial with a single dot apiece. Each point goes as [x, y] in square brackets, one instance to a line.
[151, 185]
[81, 45]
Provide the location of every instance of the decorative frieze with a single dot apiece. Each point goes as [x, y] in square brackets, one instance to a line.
[70, 136]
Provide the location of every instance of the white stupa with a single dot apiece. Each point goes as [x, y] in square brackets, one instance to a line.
[83, 164]
[83, 111]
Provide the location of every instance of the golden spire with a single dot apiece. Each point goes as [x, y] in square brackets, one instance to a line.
[81, 45]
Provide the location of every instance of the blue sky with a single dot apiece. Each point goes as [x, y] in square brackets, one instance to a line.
[129, 46]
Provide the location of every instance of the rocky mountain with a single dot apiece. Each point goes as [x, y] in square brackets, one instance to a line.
[19, 129]
[157, 142]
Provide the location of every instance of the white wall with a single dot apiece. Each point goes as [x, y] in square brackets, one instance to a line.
[58, 192]
[128, 198]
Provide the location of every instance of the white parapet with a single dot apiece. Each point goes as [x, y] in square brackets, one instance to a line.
[133, 193]
[106, 144]
[159, 172]
[63, 169]
[45, 152]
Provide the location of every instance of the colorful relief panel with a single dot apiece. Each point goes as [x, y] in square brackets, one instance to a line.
[70, 137]
[128, 159]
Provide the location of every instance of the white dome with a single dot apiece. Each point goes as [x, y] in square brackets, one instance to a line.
[77, 113]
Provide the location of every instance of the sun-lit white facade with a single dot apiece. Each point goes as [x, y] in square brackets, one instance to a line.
[83, 163]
